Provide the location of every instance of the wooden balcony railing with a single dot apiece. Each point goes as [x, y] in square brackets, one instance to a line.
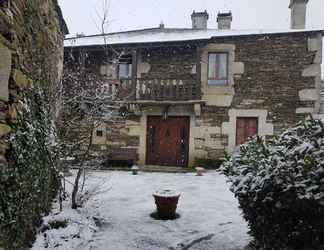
[158, 90]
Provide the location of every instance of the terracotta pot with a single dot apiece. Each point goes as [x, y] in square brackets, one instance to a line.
[200, 171]
[166, 203]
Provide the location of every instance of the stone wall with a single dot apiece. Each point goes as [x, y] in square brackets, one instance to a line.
[277, 82]
[322, 98]
[169, 62]
[31, 51]
[124, 138]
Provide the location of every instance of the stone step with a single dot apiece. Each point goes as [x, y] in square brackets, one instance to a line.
[162, 169]
[166, 169]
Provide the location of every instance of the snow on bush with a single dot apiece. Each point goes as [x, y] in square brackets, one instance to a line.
[280, 187]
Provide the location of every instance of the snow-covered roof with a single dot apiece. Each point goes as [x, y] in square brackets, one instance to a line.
[155, 35]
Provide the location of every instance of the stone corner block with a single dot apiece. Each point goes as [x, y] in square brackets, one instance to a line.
[4, 130]
[197, 109]
[305, 111]
[21, 79]
[308, 94]
[5, 69]
[238, 68]
[314, 44]
[312, 70]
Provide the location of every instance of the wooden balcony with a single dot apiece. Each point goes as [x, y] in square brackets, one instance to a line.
[159, 90]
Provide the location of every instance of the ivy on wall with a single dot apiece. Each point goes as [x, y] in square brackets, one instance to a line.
[28, 175]
[29, 183]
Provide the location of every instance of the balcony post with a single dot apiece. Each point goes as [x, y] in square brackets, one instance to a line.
[134, 72]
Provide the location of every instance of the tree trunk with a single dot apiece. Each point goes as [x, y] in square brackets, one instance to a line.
[76, 189]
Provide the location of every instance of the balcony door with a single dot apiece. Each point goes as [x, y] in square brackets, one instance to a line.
[167, 141]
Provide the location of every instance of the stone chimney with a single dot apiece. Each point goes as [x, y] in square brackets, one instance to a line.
[162, 26]
[224, 20]
[298, 14]
[199, 20]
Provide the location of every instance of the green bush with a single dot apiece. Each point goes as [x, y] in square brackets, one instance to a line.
[280, 187]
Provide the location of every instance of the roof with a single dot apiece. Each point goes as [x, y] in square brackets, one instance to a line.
[156, 35]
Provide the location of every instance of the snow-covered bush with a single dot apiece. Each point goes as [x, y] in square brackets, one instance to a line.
[280, 187]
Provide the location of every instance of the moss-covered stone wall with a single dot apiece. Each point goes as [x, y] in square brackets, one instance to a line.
[31, 52]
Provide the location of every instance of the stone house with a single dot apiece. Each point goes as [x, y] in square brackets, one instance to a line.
[194, 94]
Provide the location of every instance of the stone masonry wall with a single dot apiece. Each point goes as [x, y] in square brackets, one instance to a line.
[121, 139]
[273, 78]
[322, 98]
[169, 62]
[31, 52]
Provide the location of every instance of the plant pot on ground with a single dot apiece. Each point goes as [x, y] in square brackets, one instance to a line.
[200, 171]
[166, 203]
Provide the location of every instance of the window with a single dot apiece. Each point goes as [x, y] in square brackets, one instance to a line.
[125, 67]
[217, 68]
[245, 128]
[99, 133]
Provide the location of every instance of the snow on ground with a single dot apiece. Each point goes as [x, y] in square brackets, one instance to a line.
[209, 215]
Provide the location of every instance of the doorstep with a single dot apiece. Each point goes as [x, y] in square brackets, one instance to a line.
[166, 169]
[149, 168]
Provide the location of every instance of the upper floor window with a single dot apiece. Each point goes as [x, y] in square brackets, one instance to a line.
[125, 67]
[218, 68]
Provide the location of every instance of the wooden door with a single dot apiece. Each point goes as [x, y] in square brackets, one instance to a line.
[167, 141]
[245, 128]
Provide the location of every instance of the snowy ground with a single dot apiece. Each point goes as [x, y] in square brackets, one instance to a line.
[209, 215]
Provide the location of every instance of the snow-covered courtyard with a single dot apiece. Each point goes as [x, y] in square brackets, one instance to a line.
[122, 204]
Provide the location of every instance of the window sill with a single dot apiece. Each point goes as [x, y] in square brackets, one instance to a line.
[219, 89]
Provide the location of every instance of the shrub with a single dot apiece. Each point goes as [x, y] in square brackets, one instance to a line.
[280, 187]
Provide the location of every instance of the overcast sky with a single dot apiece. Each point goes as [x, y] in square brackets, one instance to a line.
[82, 15]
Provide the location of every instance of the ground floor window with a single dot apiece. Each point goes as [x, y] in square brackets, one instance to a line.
[245, 128]
[99, 133]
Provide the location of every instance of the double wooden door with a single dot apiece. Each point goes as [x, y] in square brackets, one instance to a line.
[167, 141]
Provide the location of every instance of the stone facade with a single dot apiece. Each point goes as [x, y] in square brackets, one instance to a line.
[31, 51]
[272, 77]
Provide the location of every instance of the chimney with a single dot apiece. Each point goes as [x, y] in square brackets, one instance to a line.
[224, 20]
[162, 26]
[298, 14]
[199, 20]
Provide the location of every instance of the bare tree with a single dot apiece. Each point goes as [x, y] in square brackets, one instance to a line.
[88, 101]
